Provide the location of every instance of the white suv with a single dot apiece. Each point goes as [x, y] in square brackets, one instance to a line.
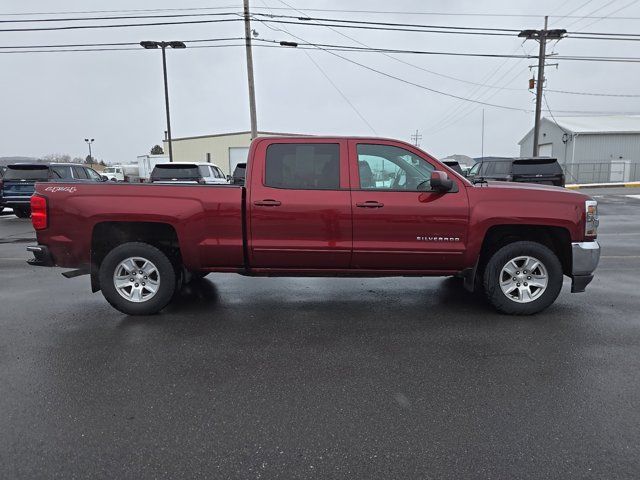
[188, 172]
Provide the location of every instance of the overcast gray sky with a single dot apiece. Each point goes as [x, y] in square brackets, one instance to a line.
[51, 101]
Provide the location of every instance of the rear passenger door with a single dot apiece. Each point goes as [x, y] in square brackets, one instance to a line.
[299, 205]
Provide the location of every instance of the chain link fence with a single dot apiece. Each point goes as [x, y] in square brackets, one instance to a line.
[603, 172]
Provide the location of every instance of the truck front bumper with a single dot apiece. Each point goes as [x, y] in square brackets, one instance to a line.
[585, 256]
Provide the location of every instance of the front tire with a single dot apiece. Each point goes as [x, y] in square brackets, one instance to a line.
[137, 279]
[523, 278]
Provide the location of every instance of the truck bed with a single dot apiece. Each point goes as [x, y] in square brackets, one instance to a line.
[207, 219]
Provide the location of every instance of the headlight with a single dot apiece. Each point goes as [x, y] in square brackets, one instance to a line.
[591, 226]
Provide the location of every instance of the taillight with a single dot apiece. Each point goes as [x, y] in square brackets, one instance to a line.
[39, 212]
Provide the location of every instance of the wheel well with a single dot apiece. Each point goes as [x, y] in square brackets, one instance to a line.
[108, 235]
[557, 239]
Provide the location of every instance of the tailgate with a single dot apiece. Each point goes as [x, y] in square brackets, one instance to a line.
[20, 189]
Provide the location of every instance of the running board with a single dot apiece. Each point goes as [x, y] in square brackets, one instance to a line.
[75, 273]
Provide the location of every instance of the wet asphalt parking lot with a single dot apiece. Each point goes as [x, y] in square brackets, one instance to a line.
[322, 378]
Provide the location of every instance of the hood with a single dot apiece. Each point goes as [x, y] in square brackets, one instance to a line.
[525, 186]
[530, 189]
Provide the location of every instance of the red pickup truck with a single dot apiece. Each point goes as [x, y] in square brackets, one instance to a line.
[321, 206]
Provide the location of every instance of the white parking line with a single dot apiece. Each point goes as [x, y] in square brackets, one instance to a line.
[637, 197]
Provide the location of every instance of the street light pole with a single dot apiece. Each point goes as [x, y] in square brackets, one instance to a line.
[163, 46]
[166, 100]
[89, 142]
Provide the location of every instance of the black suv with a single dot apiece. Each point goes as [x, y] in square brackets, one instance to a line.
[544, 170]
[18, 182]
[239, 174]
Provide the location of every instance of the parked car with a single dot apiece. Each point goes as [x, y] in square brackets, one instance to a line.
[187, 172]
[2, 169]
[307, 210]
[544, 170]
[454, 165]
[17, 184]
[238, 174]
[122, 173]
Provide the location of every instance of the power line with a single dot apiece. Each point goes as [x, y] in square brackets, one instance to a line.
[121, 17]
[114, 49]
[376, 12]
[79, 12]
[387, 24]
[595, 94]
[113, 44]
[615, 11]
[118, 25]
[408, 82]
[348, 48]
[326, 76]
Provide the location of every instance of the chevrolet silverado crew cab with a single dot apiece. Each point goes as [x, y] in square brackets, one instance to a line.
[317, 206]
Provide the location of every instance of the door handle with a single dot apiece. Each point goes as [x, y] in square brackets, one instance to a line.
[267, 203]
[370, 204]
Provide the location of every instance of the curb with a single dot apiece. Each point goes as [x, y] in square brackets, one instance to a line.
[602, 185]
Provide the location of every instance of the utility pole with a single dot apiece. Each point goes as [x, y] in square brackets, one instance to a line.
[541, 36]
[252, 89]
[415, 138]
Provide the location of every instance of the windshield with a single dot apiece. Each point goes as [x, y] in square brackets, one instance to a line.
[181, 172]
[27, 172]
[474, 169]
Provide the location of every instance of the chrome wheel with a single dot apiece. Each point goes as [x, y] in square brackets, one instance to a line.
[524, 279]
[136, 279]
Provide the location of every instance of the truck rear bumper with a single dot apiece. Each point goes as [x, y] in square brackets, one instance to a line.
[41, 256]
[586, 256]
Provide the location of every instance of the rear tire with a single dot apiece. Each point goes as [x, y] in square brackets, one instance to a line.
[20, 213]
[523, 278]
[130, 291]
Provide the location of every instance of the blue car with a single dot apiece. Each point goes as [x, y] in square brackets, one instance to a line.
[19, 179]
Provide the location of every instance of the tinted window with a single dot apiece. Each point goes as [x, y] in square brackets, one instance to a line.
[533, 167]
[79, 173]
[220, 172]
[392, 168]
[501, 168]
[181, 172]
[27, 172]
[455, 166]
[303, 166]
[60, 171]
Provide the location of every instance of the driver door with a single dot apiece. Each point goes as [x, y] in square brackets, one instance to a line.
[398, 222]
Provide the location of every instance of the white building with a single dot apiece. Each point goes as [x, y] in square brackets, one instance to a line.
[590, 149]
[226, 150]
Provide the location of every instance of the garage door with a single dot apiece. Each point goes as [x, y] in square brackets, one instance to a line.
[545, 150]
[237, 155]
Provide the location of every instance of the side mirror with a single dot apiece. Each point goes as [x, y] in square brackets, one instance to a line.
[441, 182]
[229, 177]
[104, 178]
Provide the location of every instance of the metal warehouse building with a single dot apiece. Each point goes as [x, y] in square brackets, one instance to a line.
[590, 149]
[226, 150]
